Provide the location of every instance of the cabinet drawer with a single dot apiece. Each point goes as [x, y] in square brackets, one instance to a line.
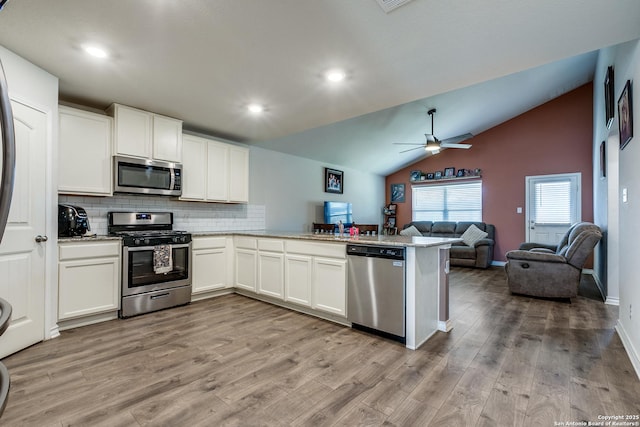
[272, 245]
[89, 250]
[246, 242]
[209, 243]
[331, 250]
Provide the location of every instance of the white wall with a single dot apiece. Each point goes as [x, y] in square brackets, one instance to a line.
[623, 250]
[292, 191]
[605, 214]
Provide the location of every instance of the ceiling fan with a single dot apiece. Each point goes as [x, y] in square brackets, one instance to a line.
[434, 144]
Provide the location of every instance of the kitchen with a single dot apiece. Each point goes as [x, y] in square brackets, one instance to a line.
[283, 189]
[87, 267]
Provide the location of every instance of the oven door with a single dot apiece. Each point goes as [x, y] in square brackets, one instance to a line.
[138, 275]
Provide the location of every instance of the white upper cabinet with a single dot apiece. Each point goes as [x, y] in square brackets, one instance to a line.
[84, 152]
[147, 135]
[214, 171]
[194, 168]
[239, 174]
[167, 139]
[217, 171]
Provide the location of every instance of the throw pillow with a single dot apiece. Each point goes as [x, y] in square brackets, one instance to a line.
[473, 235]
[411, 231]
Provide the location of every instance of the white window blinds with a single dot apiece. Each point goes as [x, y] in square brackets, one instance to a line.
[447, 202]
[553, 202]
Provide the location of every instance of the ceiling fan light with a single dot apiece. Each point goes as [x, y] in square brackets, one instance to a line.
[432, 146]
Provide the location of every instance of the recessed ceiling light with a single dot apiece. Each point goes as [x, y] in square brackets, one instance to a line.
[335, 75]
[255, 108]
[95, 51]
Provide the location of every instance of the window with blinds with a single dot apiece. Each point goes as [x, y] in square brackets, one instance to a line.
[553, 202]
[448, 202]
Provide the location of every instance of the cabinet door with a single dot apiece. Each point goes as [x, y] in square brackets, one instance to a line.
[246, 269]
[271, 274]
[194, 168]
[298, 278]
[167, 139]
[132, 131]
[238, 174]
[330, 285]
[84, 159]
[217, 171]
[88, 286]
[209, 270]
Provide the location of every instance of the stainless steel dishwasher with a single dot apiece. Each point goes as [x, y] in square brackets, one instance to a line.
[376, 290]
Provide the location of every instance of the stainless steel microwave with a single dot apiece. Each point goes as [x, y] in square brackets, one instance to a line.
[143, 176]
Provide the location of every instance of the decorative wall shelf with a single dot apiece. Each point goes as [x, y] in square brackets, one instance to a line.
[448, 179]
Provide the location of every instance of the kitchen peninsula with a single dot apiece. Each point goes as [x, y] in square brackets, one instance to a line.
[307, 272]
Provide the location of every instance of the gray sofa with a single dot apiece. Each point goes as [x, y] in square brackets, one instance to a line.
[480, 255]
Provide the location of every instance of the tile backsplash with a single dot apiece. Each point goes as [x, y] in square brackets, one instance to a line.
[187, 216]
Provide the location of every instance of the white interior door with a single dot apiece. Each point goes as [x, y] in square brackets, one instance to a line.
[553, 204]
[22, 259]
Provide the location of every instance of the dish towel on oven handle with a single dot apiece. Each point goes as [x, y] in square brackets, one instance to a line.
[162, 259]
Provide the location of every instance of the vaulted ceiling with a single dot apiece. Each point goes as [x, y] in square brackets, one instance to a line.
[478, 62]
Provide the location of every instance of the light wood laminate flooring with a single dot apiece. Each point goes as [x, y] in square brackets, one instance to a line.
[509, 361]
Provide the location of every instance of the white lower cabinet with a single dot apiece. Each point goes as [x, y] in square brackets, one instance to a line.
[88, 278]
[298, 272]
[298, 278]
[330, 285]
[271, 267]
[210, 267]
[246, 263]
[316, 276]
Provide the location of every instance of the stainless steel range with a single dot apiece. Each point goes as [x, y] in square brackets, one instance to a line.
[156, 261]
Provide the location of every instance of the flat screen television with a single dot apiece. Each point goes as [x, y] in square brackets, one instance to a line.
[338, 211]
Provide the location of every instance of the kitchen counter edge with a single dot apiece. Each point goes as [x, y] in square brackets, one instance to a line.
[402, 241]
[87, 239]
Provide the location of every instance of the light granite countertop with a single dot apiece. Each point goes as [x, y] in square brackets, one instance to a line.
[380, 240]
[93, 238]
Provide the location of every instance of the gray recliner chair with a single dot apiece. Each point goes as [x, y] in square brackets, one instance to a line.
[539, 270]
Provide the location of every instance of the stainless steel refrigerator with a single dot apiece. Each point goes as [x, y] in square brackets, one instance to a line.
[6, 191]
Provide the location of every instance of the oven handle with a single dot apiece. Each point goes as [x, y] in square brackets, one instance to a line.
[150, 248]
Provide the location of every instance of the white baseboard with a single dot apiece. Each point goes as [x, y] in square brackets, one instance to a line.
[612, 301]
[54, 332]
[628, 346]
[445, 326]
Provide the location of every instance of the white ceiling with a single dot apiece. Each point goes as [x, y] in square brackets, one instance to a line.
[479, 62]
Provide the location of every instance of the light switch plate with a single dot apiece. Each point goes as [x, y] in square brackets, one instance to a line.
[625, 196]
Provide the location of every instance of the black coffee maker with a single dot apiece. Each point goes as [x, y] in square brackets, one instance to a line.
[72, 221]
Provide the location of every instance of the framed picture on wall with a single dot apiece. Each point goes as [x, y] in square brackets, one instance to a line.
[333, 181]
[608, 97]
[397, 193]
[625, 115]
[449, 172]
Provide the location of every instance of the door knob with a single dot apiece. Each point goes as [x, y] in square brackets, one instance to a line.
[41, 239]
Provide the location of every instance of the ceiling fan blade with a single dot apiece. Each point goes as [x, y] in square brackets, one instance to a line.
[408, 143]
[465, 146]
[457, 139]
[411, 149]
